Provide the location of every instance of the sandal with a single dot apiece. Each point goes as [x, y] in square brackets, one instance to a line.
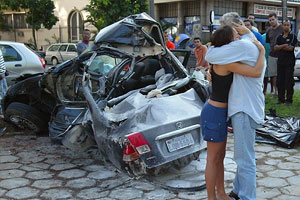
[234, 195]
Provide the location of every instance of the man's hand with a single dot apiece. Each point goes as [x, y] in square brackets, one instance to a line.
[1, 76]
[241, 29]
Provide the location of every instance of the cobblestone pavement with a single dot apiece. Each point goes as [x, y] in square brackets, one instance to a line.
[34, 168]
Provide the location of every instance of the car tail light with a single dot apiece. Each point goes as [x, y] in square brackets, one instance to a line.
[43, 62]
[139, 143]
[129, 154]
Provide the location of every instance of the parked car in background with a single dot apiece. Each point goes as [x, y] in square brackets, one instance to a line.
[32, 47]
[297, 63]
[60, 52]
[20, 60]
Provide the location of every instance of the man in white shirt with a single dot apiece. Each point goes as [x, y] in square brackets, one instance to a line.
[245, 106]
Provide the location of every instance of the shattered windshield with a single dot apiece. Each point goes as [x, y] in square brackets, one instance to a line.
[102, 64]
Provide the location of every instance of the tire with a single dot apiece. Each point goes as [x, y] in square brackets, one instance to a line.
[25, 117]
[54, 61]
[298, 77]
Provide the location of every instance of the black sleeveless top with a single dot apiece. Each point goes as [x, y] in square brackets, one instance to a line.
[220, 86]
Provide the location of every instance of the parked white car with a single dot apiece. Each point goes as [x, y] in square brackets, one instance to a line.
[60, 52]
[20, 60]
[297, 64]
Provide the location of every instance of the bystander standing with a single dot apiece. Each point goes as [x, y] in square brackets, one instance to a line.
[251, 17]
[285, 45]
[3, 84]
[200, 52]
[169, 44]
[272, 33]
[267, 48]
[81, 46]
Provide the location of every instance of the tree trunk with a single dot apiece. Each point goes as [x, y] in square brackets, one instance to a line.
[33, 35]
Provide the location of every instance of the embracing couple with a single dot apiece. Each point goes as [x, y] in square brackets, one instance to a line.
[237, 64]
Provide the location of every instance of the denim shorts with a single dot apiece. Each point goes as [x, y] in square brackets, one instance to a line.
[213, 123]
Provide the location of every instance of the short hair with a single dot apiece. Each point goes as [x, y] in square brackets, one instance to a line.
[230, 17]
[251, 15]
[248, 20]
[272, 15]
[197, 38]
[223, 35]
[286, 20]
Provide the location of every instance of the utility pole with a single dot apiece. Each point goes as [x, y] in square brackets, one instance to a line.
[284, 10]
[151, 8]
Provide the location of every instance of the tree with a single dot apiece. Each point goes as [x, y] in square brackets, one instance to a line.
[38, 12]
[106, 12]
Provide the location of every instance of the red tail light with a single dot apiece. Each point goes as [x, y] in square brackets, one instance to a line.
[129, 154]
[43, 62]
[139, 143]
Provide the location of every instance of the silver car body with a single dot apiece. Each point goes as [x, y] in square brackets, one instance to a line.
[297, 63]
[20, 60]
[60, 52]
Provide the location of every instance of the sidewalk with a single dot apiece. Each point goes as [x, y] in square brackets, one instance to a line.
[34, 168]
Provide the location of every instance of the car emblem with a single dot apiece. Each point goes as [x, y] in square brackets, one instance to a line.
[179, 125]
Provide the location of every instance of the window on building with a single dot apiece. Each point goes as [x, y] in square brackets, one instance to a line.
[20, 21]
[75, 26]
[223, 6]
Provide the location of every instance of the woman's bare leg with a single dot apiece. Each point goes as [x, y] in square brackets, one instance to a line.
[215, 156]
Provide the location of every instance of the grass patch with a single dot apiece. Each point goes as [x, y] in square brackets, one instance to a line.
[283, 110]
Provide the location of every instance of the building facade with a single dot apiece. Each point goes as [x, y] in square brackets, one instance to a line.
[186, 16]
[193, 16]
[68, 29]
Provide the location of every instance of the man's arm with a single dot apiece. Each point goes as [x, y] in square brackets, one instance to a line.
[232, 52]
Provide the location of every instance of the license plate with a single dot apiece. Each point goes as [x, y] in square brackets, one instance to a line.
[180, 142]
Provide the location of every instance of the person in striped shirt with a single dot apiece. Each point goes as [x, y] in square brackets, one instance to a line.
[3, 84]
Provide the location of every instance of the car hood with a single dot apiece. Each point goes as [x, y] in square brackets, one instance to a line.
[137, 34]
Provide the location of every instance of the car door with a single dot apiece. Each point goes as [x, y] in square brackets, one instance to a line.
[14, 61]
[62, 53]
[71, 51]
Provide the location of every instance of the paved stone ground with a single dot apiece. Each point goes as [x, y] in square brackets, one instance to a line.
[34, 168]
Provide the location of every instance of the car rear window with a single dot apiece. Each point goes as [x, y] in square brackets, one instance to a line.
[9, 53]
[53, 48]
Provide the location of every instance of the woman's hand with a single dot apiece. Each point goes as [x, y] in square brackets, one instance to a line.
[241, 29]
[259, 45]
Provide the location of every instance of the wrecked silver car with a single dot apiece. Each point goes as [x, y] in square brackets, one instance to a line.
[127, 94]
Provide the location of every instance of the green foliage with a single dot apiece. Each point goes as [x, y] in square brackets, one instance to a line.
[283, 110]
[106, 12]
[38, 12]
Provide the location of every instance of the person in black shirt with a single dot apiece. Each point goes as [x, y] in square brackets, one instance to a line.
[285, 45]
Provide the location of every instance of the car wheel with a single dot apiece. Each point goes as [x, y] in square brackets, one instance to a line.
[25, 117]
[54, 61]
[298, 77]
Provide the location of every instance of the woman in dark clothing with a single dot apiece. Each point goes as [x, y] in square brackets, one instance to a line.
[214, 112]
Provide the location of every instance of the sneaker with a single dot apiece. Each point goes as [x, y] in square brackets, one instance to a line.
[233, 195]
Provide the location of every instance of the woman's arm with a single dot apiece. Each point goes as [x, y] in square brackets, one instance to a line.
[246, 70]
